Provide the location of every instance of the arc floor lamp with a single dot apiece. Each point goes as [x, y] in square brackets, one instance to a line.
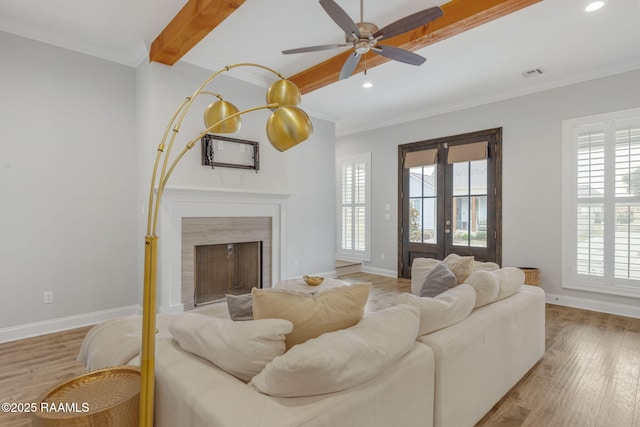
[287, 126]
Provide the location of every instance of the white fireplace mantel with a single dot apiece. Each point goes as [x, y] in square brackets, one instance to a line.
[181, 202]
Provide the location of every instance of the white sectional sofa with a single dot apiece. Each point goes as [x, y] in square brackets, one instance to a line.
[448, 378]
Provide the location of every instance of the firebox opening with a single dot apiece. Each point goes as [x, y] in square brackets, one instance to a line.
[229, 268]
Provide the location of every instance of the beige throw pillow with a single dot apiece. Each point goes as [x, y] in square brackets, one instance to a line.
[312, 315]
[342, 359]
[460, 266]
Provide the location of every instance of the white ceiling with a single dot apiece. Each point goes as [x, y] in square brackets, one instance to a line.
[481, 65]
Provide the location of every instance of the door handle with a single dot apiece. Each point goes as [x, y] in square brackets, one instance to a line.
[447, 230]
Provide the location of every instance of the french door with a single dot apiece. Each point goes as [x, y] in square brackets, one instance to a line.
[450, 198]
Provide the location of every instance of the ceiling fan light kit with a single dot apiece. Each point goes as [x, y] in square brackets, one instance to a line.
[364, 36]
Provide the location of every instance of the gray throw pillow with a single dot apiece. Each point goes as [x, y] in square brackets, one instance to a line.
[240, 307]
[438, 280]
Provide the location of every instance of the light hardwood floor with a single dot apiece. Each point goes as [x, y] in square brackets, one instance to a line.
[589, 375]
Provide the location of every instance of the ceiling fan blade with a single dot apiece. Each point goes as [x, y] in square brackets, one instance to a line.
[409, 23]
[349, 65]
[314, 48]
[400, 55]
[340, 17]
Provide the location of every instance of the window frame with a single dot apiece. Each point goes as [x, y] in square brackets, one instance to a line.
[571, 279]
[352, 254]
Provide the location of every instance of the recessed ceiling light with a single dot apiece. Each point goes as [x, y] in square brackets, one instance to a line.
[367, 85]
[594, 5]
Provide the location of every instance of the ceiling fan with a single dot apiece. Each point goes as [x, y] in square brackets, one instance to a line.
[364, 36]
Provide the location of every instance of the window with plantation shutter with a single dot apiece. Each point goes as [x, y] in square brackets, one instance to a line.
[354, 206]
[601, 211]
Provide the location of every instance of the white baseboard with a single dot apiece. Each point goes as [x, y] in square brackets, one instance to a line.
[29, 330]
[380, 271]
[589, 304]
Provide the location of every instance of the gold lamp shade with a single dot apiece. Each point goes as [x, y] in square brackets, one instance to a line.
[287, 127]
[284, 92]
[218, 111]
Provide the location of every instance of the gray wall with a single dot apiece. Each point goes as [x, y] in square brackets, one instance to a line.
[77, 142]
[532, 166]
[305, 172]
[67, 183]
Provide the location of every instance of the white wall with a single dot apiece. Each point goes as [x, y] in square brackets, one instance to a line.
[77, 143]
[532, 144]
[306, 171]
[67, 185]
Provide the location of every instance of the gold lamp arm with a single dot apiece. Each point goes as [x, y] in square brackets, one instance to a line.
[147, 354]
[301, 130]
[165, 175]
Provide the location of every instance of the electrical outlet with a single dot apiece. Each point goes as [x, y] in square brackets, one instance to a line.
[48, 297]
[381, 256]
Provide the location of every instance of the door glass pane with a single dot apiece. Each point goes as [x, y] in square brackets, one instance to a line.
[460, 223]
[478, 171]
[461, 179]
[429, 181]
[415, 220]
[478, 222]
[429, 234]
[415, 182]
[423, 194]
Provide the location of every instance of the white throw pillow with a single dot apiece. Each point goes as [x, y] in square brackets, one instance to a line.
[342, 359]
[510, 279]
[240, 348]
[486, 285]
[446, 309]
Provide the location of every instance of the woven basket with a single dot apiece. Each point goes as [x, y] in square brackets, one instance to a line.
[531, 276]
[106, 397]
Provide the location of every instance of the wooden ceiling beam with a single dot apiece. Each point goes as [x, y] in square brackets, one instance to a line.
[459, 16]
[194, 21]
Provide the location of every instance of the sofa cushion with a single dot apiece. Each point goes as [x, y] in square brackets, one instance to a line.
[240, 348]
[240, 307]
[439, 280]
[510, 280]
[460, 266]
[486, 285]
[445, 310]
[342, 359]
[312, 315]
